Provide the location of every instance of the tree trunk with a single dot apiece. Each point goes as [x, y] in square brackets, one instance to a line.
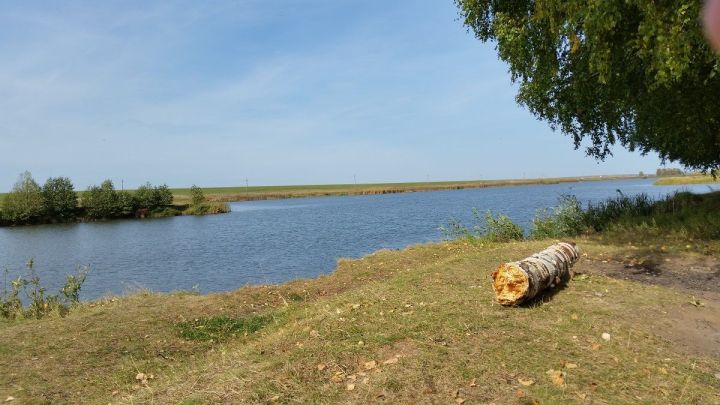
[517, 282]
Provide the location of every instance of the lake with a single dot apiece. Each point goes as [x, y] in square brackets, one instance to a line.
[271, 241]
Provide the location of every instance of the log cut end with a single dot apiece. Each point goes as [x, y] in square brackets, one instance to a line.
[511, 284]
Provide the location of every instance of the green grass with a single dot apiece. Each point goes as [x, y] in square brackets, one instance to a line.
[221, 328]
[690, 179]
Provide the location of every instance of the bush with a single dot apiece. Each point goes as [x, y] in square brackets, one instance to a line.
[151, 197]
[500, 228]
[40, 303]
[102, 201]
[25, 202]
[488, 227]
[567, 219]
[197, 196]
[599, 215]
[59, 198]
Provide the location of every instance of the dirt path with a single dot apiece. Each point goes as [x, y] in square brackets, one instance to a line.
[695, 326]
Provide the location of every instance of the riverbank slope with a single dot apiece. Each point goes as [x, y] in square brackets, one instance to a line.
[418, 325]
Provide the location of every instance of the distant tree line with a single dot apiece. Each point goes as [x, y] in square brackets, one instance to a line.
[670, 171]
[57, 201]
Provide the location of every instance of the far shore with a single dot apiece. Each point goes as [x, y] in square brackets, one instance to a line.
[689, 179]
[254, 193]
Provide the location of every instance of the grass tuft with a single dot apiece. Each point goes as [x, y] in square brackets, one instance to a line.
[221, 328]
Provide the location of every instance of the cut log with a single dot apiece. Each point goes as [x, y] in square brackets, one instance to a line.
[517, 282]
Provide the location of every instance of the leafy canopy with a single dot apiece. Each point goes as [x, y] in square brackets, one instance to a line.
[59, 197]
[632, 72]
[25, 202]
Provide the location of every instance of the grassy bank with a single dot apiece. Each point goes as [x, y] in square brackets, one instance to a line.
[690, 179]
[228, 194]
[417, 325]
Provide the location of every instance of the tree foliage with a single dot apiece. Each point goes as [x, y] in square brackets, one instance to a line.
[25, 202]
[102, 201]
[149, 196]
[197, 196]
[630, 72]
[59, 198]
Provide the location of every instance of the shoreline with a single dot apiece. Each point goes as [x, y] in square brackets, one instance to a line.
[259, 193]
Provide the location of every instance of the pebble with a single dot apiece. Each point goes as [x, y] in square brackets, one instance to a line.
[606, 336]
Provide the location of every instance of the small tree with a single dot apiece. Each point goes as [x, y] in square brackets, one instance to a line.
[59, 197]
[25, 202]
[102, 201]
[197, 195]
[162, 196]
[144, 196]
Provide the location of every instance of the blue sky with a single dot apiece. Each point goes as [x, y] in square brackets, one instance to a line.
[279, 92]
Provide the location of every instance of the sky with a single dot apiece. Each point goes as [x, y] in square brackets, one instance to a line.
[276, 92]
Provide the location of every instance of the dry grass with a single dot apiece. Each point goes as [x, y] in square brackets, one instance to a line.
[418, 325]
[690, 179]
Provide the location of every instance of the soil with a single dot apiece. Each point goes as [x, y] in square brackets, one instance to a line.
[694, 326]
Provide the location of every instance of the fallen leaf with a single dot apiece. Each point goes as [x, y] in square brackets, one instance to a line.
[717, 375]
[473, 383]
[337, 378]
[557, 377]
[459, 400]
[355, 306]
[314, 333]
[570, 365]
[9, 399]
[392, 360]
[596, 346]
[275, 398]
[369, 365]
[662, 370]
[365, 380]
[526, 383]
[695, 302]
[321, 366]
[582, 395]
[606, 336]
[115, 392]
[350, 387]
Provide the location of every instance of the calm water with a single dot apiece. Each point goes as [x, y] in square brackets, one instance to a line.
[270, 241]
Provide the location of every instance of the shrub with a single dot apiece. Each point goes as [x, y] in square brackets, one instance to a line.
[197, 195]
[599, 215]
[102, 201]
[59, 198]
[488, 227]
[567, 219]
[25, 202]
[455, 230]
[500, 228]
[40, 303]
[162, 196]
[150, 197]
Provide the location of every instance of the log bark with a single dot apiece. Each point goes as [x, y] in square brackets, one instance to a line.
[517, 282]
